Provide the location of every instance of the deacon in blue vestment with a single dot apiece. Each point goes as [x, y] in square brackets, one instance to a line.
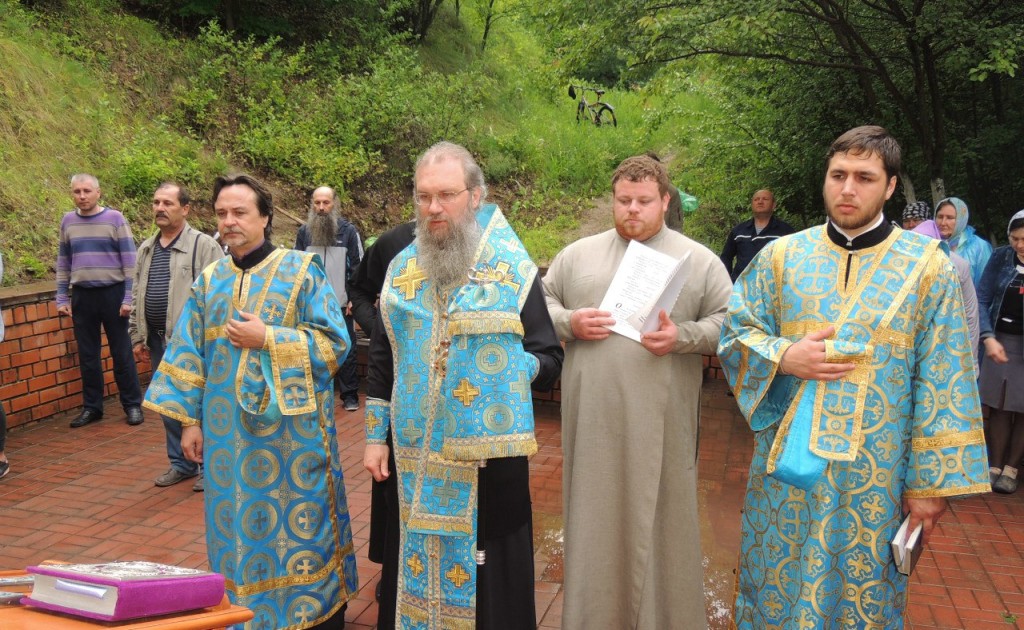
[463, 332]
[847, 349]
[248, 373]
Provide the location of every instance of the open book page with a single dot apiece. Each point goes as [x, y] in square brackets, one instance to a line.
[646, 282]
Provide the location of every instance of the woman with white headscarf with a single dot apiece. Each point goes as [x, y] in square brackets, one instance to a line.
[1001, 302]
[951, 216]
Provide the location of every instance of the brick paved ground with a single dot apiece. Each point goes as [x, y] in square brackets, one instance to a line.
[87, 495]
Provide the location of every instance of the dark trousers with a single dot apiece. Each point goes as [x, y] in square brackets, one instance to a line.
[172, 428]
[90, 309]
[347, 380]
[3, 428]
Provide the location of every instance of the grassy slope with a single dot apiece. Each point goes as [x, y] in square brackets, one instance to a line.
[68, 105]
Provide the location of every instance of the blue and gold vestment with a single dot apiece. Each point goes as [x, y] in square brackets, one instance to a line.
[905, 423]
[461, 395]
[277, 519]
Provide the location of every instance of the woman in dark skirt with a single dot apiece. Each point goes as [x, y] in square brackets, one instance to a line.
[1001, 309]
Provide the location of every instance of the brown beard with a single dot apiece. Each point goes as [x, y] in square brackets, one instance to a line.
[323, 228]
[448, 258]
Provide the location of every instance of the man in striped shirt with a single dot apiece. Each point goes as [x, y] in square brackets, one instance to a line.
[168, 264]
[95, 266]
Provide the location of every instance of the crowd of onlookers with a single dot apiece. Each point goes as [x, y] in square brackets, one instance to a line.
[987, 279]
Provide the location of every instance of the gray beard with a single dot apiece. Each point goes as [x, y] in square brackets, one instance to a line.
[447, 259]
[323, 229]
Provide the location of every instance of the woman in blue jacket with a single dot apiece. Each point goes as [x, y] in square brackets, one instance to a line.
[1001, 307]
[951, 216]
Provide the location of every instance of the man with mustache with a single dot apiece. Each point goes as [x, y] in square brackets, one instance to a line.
[337, 241]
[462, 335]
[167, 264]
[848, 352]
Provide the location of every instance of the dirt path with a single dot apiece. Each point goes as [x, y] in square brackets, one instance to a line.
[595, 219]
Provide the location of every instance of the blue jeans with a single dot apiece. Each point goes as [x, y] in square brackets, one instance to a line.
[172, 428]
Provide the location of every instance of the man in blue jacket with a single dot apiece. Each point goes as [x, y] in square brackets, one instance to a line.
[748, 238]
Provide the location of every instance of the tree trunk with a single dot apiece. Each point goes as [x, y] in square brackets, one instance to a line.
[908, 187]
[938, 189]
[427, 12]
[489, 21]
[228, 9]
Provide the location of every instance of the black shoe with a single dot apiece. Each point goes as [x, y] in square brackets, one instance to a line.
[87, 416]
[134, 416]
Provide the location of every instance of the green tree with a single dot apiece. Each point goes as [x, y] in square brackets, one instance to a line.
[941, 74]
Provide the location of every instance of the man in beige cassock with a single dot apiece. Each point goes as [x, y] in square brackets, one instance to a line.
[629, 421]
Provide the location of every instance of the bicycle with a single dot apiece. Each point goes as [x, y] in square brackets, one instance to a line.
[597, 112]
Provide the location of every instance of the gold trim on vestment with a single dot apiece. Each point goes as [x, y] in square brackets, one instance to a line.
[778, 268]
[329, 455]
[438, 467]
[885, 335]
[491, 447]
[895, 338]
[186, 421]
[288, 320]
[948, 440]
[437, 302]
[741, 376]
[802, 328]
[953, 491]
[185, 376]
[290, 353]
[454, 617]
[462, 472]
[334, 565]
[326, 349]
[273, 261]
[832, 355]
[483, 322]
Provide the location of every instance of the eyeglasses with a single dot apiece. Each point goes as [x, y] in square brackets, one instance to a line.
[445, 198]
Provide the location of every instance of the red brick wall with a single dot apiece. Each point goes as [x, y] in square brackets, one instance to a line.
[713, 368]
[39, 374]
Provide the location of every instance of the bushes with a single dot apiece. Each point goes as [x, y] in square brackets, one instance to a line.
[264, 104]
[156, 154]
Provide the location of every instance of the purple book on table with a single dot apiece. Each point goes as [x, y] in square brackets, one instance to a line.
[115, 591]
